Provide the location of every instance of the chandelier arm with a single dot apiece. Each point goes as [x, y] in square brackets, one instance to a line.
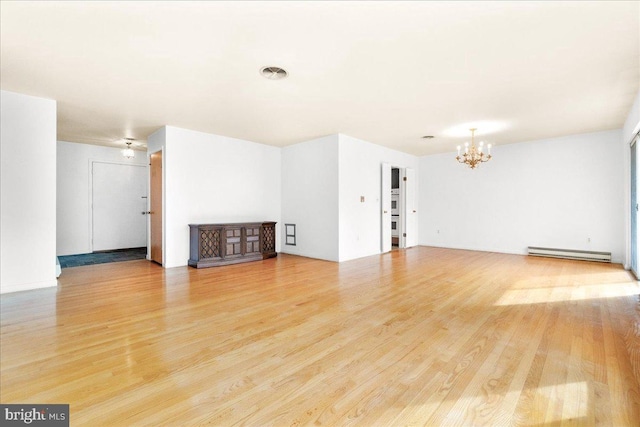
[473, 156]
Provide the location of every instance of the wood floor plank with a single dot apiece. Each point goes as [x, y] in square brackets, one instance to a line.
[425, 336]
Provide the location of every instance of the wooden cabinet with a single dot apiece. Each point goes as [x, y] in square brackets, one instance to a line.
[222, 244]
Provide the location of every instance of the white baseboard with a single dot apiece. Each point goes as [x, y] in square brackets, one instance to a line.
[18, 287]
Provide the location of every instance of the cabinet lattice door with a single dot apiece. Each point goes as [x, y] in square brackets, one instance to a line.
[221, 244]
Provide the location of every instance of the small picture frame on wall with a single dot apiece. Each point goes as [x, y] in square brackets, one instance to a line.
[290, 234]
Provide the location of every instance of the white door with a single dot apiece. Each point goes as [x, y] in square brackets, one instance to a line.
[119, 199]
[385, 204]
[411, 210]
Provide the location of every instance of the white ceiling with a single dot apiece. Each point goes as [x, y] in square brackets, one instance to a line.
[385, 72]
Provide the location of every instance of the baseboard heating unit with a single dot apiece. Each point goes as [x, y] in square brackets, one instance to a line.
[571, 254]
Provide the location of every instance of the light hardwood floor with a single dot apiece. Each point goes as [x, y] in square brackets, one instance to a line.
[424, 336]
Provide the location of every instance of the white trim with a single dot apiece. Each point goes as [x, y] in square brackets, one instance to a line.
[28, 286]
[402, 211]
[162, 152]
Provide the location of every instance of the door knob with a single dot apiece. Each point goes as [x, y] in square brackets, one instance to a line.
[146, 213]
[384, 211]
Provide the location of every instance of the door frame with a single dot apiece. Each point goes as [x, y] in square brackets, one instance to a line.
[408, 213]
[162, 203]
[385, 204]
[633, 204]
[402, 210]
[385, 208]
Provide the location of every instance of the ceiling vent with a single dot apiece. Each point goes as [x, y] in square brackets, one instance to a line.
[273, 73]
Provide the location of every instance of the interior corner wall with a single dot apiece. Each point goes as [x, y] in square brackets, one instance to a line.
[629, 130]
[157, 140]
[74, 192]
[632, 123]
[215, 179]
[310, 197]
[360, 175]
[560, 193]
[28, 192]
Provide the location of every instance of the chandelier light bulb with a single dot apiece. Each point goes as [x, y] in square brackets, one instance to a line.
[128, 152]
[473, 155]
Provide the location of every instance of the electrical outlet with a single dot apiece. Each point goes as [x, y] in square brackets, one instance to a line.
[361, 199]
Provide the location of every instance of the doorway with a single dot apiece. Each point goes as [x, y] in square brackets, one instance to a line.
[155, 207]
[399, 223]
[395, 208]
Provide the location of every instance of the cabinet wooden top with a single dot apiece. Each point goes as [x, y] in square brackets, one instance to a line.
[233, 224]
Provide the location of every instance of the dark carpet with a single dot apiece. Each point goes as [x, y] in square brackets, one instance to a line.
[102, 257]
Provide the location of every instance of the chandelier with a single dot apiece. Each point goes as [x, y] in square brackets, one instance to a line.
[128, 152]
[473, 155]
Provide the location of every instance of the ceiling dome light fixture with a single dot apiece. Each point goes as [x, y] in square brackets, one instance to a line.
[273, 73]
[473, 155]
[128, 152]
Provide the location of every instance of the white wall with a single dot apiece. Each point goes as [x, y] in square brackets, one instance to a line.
[552, 193]
[157, 140]
[28, 192]
[632, 123]
[214, 179]
[310, 197]
[360, 174]
[74, 191]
